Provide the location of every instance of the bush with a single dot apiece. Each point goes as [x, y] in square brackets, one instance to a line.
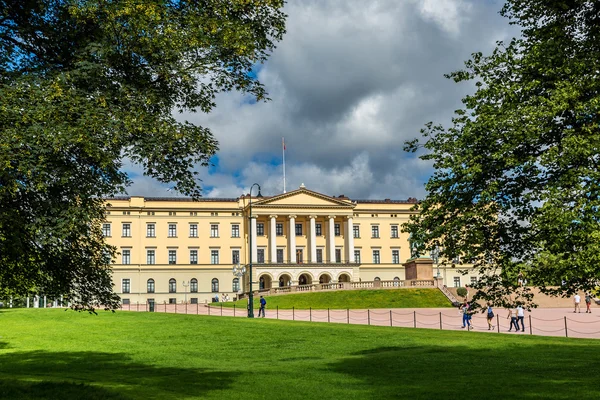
[461, 291]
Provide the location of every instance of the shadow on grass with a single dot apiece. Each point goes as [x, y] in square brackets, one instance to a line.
[93, 375]
[521, 371]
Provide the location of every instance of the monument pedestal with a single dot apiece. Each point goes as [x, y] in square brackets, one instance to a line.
[419, 269]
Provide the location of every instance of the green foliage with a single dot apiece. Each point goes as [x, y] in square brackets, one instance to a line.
[517, 182]
[87, 84]
[461, 291]
[132, 355]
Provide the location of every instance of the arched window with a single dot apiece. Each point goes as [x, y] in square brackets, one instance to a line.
[150, 286]
[396, 281]
[396, 278]
[172, 286]
[377, 278]
[235, 285]
[194, 285]
[214, 285]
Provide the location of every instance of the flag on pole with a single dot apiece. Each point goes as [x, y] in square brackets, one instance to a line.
[283, 143]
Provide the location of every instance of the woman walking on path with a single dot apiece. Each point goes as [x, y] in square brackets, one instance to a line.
[512, 314]
[490, 316]
[588, 303]
[466, 319]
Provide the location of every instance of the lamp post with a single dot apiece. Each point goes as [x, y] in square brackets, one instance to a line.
[251, 295]
[185, 286]
[238, 271]
[435, 254]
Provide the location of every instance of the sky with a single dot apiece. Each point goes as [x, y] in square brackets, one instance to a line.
[351, 81]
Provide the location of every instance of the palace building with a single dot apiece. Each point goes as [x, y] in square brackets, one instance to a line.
[175, 250]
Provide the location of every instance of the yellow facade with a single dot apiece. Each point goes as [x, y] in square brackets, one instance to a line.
[177, 250]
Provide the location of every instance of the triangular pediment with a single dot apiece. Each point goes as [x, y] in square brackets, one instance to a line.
[304, 198]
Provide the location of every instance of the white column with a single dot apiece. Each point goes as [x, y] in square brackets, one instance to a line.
[292, 239]
[253, 235]
[312, 240]
[331, 240]
[349, 241]
[273, 238]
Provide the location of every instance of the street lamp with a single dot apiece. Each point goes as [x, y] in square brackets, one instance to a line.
[251, 295]
[238, 271]
[185, 286]
[435, 255]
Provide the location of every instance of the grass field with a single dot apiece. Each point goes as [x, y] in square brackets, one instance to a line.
[53, 354]
[354, 299]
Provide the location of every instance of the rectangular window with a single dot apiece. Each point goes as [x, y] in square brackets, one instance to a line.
[194, 230]
[214, 231]
[260, 256]
[150, 230]
[280, 256]
[318, 230]
[338, 255]
[126, 257]
[194, 300]
[172, 256]
[126, 301]
[214, 256]
[319, 255]
[172, 300]
[193, 256]
[357, 256]
[127, 230]
[394, 232]
[172, 230]
[260, 229]
[106, 230]
[473, 280]
[356, 231]
[150, 257]
[126, 286]
[374, 231]
[279, 229]
[336, 229]
[235, 231]
[235, 256]
[395, 256]
[376, 258]
[298, 229]
[457, 281]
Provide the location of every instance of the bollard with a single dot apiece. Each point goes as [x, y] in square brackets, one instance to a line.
[566, 329]
[530, 328]
[221, 309]
[368, 317]
[441, 321]
[328, 315]
[234, 309]
[415, 318]
[293, 314]
[391, 320]
[277, 308]
[348, 314]
[186, 308]
[498, 322]
[310, 314]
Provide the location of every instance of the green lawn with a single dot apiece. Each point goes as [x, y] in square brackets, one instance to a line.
[354, 299]
[53, 354]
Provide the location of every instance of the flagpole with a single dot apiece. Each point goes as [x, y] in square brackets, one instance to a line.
[283, 154]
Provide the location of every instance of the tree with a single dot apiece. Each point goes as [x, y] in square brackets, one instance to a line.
[86, 84]
[516, 187]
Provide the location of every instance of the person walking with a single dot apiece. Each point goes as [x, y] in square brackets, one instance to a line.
[490, 316]
[588, 303]
[577, 300]
[512, 314]
[263, 304]
[520, 318]
[466, 319]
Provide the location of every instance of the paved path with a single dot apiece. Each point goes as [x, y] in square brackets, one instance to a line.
[541, 321]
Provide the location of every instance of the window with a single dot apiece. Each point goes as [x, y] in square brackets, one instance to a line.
[235, 231]
[150, 213]
[193, 256]
[319, 255]
[318, 230]
[279, 229]
[172, 230]
[395, 256]
[193, 213]
[214, 231]
[126, 286]
[280, 255]
[235, 256]
[126, 301]
[260, 229]
[357, 256]
[172, 286]
[336, 229]
[194, 230]
[376, 259]
[172, 213]
[194, 300]
[375, 231]
[457, 281]
[106, 230]
[150, 286]
[172, 300]
[356, 231]
[172, 256]
[127, 230]
[126, 257]
[150, 230]
[298, 229]
[473, 280]
[377, 279]
[260, 256]
[235, 285]
[214, 256]
[194, 285]
[214, 285]
[338, 255]
[150, 257]
[394, 232]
